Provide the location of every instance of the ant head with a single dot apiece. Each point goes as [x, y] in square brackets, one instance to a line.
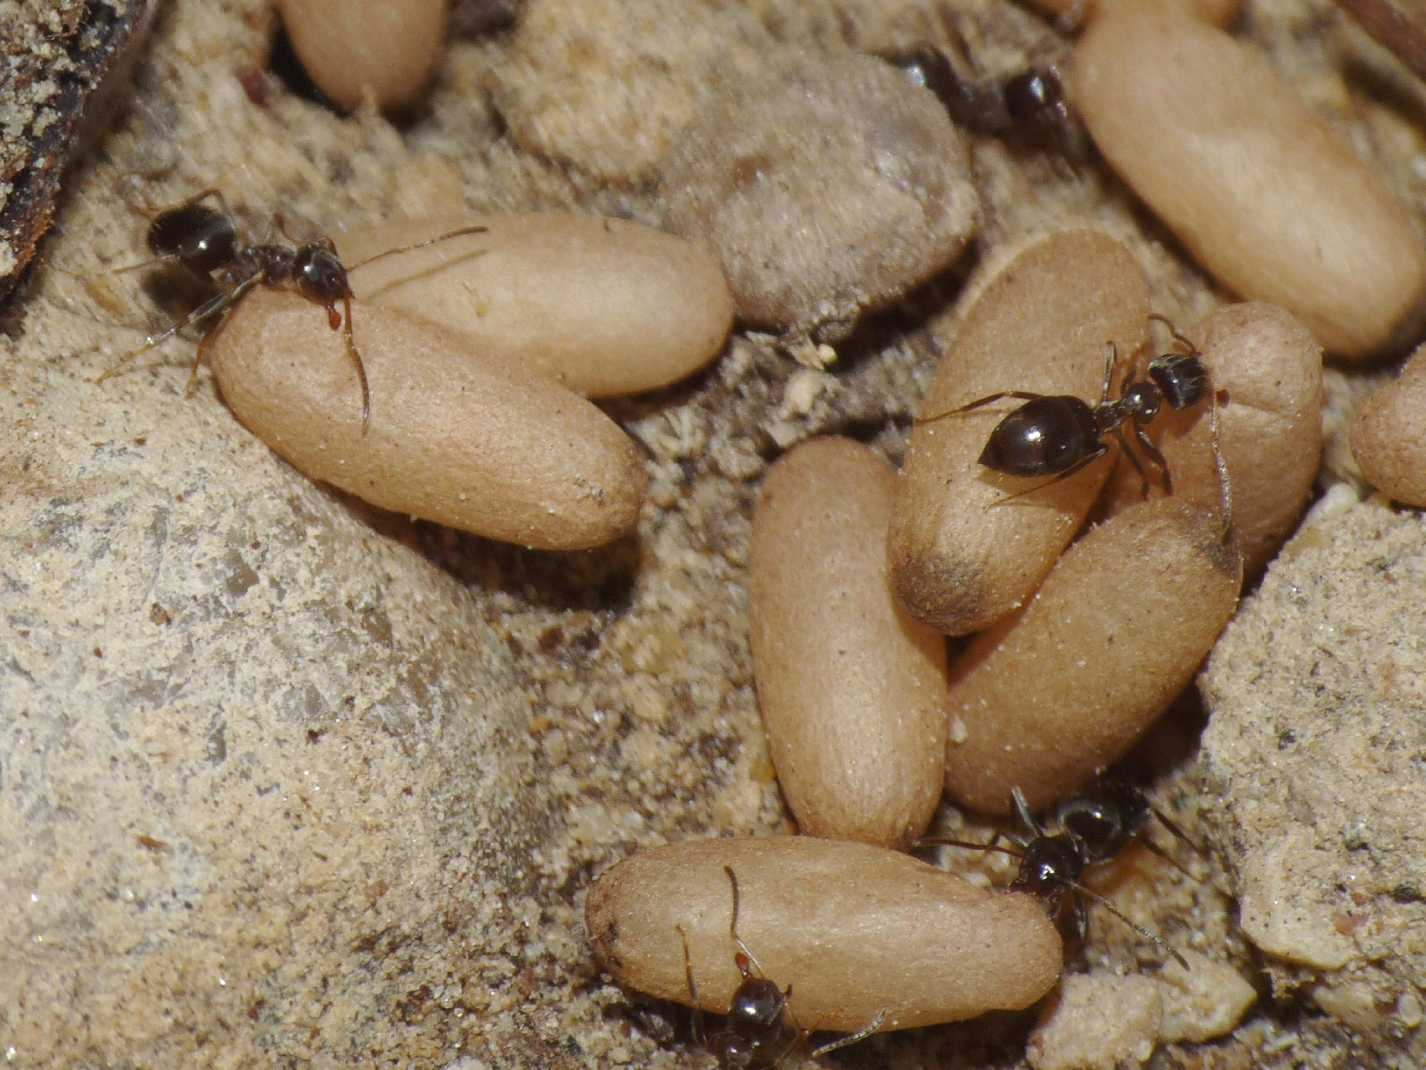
[321, 276]
[1048, 864]
[1183, 379]
[757, 1006]
[202, 238]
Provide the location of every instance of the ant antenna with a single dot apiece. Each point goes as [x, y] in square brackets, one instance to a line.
[700, 1033]
[461, 232]
[1022, 811]
[873, 1026]
[1102, 901]
[1180, 339]
[733, 926]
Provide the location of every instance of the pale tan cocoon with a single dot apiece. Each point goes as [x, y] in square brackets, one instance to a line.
[388, 48]
[856, 930]
[1389, 435]
[452, 439]
[1041, 323]
[1259, 189]
[852, 688]
[601, 306]
[1057, 692]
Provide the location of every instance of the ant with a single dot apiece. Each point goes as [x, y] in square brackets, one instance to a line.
[1057, 435]
[1092, 829]
[205, 242]
[1031, 103]
[760, 1031]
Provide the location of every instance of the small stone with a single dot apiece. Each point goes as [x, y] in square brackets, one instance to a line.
[827, 189]
[1098, 1021]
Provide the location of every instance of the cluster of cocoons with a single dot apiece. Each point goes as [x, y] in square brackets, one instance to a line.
[480, 352]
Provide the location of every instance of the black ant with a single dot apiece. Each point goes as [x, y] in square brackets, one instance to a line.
[1057, 435]
[204, 240]
[1051, 865]
[760, 1030]
[1031, 103]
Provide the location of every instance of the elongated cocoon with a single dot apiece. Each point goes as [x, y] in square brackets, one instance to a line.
[1259, 189]
[854, 929]
[959, 560]
[601, 306]
[452, 439]
[852, 688]
[389, 48]
[1052, 695]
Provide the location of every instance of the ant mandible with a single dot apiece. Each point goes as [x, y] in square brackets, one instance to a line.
[761, 1031]
[1051, 865]
[204, 240]
[1058, 434]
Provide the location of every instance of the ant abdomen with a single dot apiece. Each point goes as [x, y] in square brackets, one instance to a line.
[199, 237]
[1045, 436]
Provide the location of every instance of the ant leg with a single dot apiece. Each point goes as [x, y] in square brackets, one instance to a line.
[1134, 460]
[1111, 358]
[1083, 462]
[873, 1026]
[1152, 452]
[356, 360]
[1081, 919]
[988, 399]
[422, 244]
[1158, 852]
[1145, 933]
[201, 195]
[1022, 810]
[1173, 828]
[700, 1034]
[220, 303]
[1225, 487]
[280, 221]
[946, 841]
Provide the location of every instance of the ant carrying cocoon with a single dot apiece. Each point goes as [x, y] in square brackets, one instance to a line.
[206, 243]
[1057, 435]
[761, 1031]
[1093, 828]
